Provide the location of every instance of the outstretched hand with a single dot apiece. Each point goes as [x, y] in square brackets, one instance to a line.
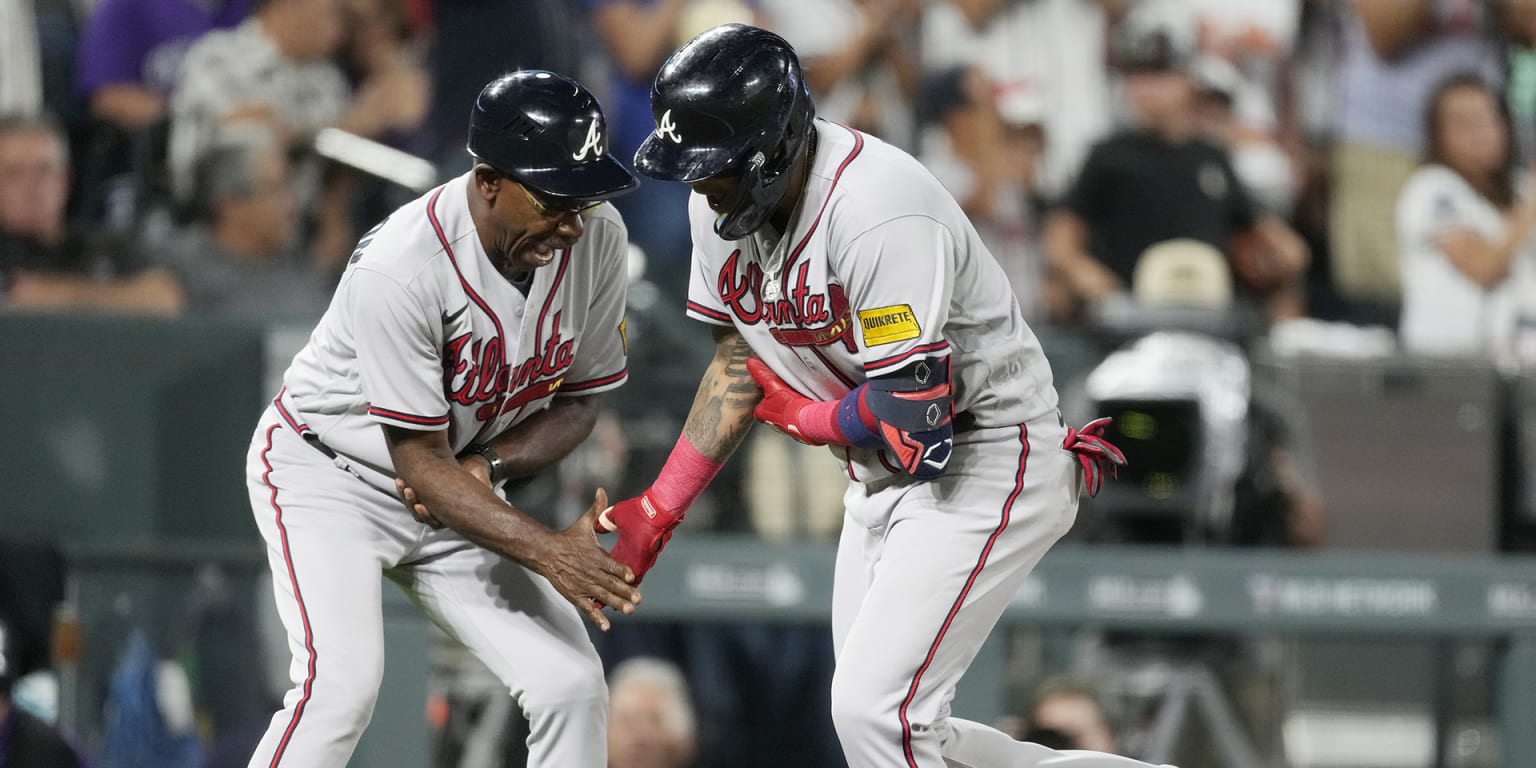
[578, 568]
[644, 527]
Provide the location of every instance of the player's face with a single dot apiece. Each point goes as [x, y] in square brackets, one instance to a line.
[535, 228]
[720, 191]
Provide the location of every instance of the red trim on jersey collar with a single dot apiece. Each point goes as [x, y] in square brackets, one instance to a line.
[437, 227]
[858, 146]
[549, 300]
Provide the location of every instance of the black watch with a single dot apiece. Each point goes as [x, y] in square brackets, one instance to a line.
[498, 467]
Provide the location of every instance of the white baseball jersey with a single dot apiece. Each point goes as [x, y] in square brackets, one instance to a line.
[881, 267]
[424, 333]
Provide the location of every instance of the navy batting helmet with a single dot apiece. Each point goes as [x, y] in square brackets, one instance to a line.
[546, 132]
[732, 100]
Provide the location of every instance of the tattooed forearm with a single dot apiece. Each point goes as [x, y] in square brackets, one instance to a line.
[722, 409]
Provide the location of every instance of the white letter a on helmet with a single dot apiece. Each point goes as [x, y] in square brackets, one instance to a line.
[594, 143]
[667, 129]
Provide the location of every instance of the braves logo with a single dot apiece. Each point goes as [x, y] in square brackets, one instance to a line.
[474, 372]
[666, 129]
[593, 144]
[803, 319]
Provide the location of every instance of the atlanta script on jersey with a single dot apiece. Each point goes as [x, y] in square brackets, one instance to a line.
[424, 333]
[877, 272]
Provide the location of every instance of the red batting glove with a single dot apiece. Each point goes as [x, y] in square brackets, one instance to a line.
[781, 405]
[1094, 452]
[644, 527]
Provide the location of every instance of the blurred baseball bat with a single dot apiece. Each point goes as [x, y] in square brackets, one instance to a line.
[376, 159]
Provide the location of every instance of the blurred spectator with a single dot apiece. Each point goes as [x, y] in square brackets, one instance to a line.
[1465, 228]
[1257, 157]
[650, 716]
[1055, 47]
[381, 50]
[1256, 39]
[43, 263]
[639, 35]
[21, 68]
[1158, 181]
[858, 60]
[381, 53]
[1393, 53]
[985, 146]
[240, 258]
[26, 741]
[473, 49]
[1518, 18]
[276, 68]
[131, 52]
[1068, 714]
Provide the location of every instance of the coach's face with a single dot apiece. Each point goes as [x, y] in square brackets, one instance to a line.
[522, 231]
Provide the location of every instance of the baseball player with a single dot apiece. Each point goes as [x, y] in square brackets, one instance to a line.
[854, 306]
[463, 346]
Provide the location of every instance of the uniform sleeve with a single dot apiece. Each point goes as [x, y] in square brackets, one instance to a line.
[399, 359]
[704, 302]
[602, 353]
[898, 276]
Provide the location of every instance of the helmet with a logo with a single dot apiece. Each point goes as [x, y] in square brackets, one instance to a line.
[731, 101]
[545, 131]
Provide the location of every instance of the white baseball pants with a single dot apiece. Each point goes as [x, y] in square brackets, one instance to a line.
[329, 534]
[924, 571]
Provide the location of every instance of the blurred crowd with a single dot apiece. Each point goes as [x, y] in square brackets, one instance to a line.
[1292, 169]
[1341, 160]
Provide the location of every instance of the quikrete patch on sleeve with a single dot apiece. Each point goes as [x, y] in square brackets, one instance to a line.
[885, 325]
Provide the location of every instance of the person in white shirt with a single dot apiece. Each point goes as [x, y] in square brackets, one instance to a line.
[1464, 228]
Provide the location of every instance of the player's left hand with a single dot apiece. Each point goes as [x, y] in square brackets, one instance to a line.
[474, 465]
[780, 406]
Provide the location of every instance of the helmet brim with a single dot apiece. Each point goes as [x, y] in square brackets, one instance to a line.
[661, 158]
[607, 178]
